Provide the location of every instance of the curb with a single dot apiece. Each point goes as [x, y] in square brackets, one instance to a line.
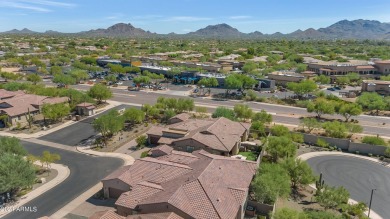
[127, 159]
[373, 214]
[63, 173]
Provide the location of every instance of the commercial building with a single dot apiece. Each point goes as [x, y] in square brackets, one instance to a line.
[343, 68]
[282, 78]
[381, 87]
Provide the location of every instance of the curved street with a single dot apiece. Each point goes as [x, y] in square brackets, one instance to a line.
[85, 172]
[358, 176]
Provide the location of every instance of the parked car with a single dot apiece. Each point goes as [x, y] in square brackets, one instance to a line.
[119, 83]
[61, 85]
[337, 88]
[331, 89]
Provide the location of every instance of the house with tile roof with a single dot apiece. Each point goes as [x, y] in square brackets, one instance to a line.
[112, 215]
[16, 104]
[192, 185]
[217, 136]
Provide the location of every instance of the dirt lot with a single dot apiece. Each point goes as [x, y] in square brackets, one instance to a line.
[125, 137]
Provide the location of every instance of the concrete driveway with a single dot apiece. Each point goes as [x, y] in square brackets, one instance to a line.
[358, 176]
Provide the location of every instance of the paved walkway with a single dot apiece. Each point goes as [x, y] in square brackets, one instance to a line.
[63, 173]
[373, 214]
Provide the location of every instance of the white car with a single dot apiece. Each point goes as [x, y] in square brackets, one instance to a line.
[93, 80]
[119, 83]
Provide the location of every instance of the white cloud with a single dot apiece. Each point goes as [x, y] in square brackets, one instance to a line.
[48, 3]
[187, 18]
[239, 17]
[34, 5]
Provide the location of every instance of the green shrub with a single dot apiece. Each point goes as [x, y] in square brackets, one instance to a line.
[322, 143]
[141, 140]
[144, 154]
[374, 140]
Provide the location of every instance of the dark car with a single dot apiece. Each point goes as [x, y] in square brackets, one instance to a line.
[337, 88]
[331, 89]
[61, 85]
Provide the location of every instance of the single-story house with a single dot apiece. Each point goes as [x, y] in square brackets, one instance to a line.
[218, 136]
[16, 105]
[191, 185]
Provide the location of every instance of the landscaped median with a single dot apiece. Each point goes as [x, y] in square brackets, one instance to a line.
[63, 173]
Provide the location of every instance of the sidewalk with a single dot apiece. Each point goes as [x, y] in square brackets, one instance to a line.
[373, 214]
[63, 173]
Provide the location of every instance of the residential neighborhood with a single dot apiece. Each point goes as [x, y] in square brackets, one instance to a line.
[197, 110]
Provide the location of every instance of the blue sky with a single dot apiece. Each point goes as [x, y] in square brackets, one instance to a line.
[182, 16]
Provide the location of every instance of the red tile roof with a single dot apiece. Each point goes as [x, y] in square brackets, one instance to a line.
[21, 104]
[211, 187]
[220, 134]
[164, 215]
[106, 215]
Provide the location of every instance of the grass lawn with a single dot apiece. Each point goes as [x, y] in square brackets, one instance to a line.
[249, 155]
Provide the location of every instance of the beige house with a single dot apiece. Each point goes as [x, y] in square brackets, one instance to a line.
[191, 185]
[16, 105]
[217, 136]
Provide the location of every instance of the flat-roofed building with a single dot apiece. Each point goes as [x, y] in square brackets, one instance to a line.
[383, 66]
[382, 87]
[282, 78]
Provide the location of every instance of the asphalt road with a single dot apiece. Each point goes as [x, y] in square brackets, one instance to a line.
[282, 114]
[74, 134]
[85, 172]
[358, 176]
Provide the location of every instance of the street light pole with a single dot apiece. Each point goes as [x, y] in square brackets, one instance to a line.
[369, 208]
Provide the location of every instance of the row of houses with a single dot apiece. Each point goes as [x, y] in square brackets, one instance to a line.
[16, 104]
[189, 174]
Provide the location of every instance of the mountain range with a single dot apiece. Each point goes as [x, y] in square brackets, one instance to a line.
[345, 29]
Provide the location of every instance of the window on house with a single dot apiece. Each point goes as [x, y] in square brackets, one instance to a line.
[190, 149]
[19, 117]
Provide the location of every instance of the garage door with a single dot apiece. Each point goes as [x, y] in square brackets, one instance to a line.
[115, 193]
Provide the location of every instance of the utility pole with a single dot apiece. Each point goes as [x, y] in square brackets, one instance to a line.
[369, 208]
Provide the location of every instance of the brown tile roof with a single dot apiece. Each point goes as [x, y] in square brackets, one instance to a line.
[164, 140]
[365, 67]
[155, 130]
[106, 215]
[8, 94]
[164, 215]
[162, 148]
[149, 169]
[20, 104]
[220, 134]
[181, 116]
[214, 187]
[179, 157]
